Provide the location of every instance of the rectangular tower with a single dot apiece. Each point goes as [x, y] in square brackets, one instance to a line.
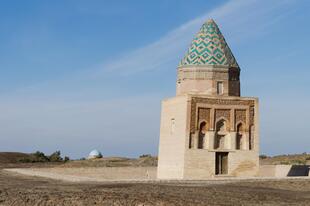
[208, 130]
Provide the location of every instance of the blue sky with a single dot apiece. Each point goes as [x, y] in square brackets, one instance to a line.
[77, 75]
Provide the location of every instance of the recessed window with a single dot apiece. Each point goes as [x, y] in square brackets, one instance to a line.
[220, 88]
[172, 125]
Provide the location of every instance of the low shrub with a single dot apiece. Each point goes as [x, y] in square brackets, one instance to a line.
[55, 157]
[66, 159]
[41, 157]
[284, 163]
[145, 155]
[298, 162]
[293, 162]
[263, 156]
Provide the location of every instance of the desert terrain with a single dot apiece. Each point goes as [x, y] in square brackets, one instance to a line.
[17, 189]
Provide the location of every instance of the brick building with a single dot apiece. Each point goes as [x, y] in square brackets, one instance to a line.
[208, 129]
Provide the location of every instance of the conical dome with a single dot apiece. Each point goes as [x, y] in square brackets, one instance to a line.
[209, 48]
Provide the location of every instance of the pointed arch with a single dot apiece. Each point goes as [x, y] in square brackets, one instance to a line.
[240, 136]
[201, 135]
[221, 130]
[221, 125]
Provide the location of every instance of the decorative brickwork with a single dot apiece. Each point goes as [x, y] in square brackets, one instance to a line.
[204, 114]
[215, 102]
[222, 113]
[196, 100]
[240, 116]
[193, 119]
[252, 112]
[252, 132]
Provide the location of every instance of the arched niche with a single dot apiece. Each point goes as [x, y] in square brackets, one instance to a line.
[240, 136]
[202, 133]
[221, 131]
[251, 137]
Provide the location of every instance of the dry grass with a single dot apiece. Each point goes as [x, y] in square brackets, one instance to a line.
[292, 159]
[26, 190]
[8, 159]
[113, 162]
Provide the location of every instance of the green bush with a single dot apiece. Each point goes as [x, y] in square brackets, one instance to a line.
[145, 155]
[41, 157]
[25, 160]
[35, 157]
[55, 157]
[263, 156]
[298, 162]
[100, 155]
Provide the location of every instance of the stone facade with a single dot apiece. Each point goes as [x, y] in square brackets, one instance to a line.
[203, 80]
[208, 130]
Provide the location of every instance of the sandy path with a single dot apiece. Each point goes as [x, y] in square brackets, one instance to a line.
[127, 174]
[91, 174]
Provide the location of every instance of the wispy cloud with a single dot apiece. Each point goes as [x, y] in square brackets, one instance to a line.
[241, 19]
[129, 125]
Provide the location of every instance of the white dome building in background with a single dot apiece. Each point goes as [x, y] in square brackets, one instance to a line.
[94, 154]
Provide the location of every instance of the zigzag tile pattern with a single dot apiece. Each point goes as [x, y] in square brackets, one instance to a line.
[209, 48]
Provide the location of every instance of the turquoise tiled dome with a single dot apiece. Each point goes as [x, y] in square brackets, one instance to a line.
[209, 48]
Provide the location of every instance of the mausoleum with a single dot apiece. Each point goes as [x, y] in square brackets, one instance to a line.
[208, 129]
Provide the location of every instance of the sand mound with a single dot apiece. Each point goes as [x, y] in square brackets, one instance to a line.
[12, 157]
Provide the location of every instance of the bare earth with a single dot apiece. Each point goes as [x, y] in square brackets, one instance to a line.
[17, 189]
[25, 190]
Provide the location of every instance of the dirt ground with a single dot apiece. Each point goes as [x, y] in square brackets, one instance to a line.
[24, 190]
